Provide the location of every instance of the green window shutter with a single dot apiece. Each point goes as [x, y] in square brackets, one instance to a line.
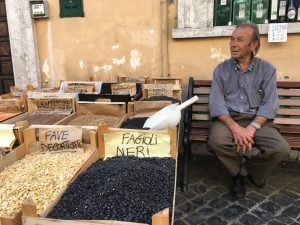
[260, 11]
[241, 11]
[223, 12]
[71, 8]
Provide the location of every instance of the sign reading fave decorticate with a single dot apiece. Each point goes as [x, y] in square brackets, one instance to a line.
[60, 139]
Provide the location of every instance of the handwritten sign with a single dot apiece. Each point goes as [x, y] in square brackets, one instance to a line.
[7, 136]
[60, 139]
[11, 105]
[160, 90]
[123, 89]
[56, 104]
[138, 144]
[277, 32]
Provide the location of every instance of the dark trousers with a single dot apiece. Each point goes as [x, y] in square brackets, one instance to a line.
[271, 148]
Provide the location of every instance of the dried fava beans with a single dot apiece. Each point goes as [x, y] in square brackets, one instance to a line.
[39, 176]
[94, 120]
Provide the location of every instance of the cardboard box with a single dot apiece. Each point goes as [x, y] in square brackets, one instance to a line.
[160, 218]
[30, 142]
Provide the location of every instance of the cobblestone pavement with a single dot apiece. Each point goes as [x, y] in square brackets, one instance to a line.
[207, 201]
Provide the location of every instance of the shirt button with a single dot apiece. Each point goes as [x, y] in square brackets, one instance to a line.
[242, 97]
[242, 110]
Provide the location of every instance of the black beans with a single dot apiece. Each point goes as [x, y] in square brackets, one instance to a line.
[120, 188]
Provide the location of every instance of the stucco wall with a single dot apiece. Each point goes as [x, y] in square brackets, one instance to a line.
[113, 38]
[124, 38]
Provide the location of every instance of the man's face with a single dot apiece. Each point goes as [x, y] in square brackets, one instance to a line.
[241, 44]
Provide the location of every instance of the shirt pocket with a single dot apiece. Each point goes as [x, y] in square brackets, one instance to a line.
[255, 98]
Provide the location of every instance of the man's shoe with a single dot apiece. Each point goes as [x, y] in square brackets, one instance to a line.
[250, 178]
[239, 186]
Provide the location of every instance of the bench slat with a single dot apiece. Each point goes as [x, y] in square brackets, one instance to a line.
[289, 102]
[289, 112]
[287, 121]
[288, 92]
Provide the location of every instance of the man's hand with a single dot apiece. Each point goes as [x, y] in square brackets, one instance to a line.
[243, 137]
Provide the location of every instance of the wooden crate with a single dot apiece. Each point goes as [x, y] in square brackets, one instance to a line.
[125, 79]
[87, 87]
[160, 218]
[11, 106]
[99, 109]
[168, 90]
[145, 108]
[21, 151]
[165, 80]
[46, 105]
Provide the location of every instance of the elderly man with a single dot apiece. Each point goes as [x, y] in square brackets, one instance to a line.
[243, 103]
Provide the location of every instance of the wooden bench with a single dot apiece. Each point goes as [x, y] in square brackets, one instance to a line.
[197, 120]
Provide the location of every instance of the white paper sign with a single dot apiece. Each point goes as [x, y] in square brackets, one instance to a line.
[277, 32]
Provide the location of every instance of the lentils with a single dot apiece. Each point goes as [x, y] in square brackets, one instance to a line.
[39, 176]
[120, 188]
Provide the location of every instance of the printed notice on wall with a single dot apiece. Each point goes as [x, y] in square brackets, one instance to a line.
[138, 144]
[277, 32]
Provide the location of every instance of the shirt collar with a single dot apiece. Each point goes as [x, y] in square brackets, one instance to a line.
[250, 67]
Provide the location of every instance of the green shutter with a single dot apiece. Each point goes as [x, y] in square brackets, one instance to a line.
[70, 8]
[259, 11]
[222, 12]
[241, 11]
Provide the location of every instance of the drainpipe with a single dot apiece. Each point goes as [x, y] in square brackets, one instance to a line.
[164, 38]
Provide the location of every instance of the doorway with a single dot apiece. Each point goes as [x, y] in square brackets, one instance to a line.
[6, 67]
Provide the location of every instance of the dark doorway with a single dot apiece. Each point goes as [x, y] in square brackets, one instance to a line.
[6, 68]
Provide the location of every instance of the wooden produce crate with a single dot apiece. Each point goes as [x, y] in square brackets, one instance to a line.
[87, 87]
[26, 173]
[165, 80]
[138, 79]
[110, 138]
[115, 92]
[89, 114]
[162, 89]
[11, 106]
[47, 108]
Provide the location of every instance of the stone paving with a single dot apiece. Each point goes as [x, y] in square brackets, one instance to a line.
[208, 202]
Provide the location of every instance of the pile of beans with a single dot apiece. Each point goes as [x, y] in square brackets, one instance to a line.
[120, 188]
[94, 120]
[38, 176]
[134, 123]
[45, 118]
